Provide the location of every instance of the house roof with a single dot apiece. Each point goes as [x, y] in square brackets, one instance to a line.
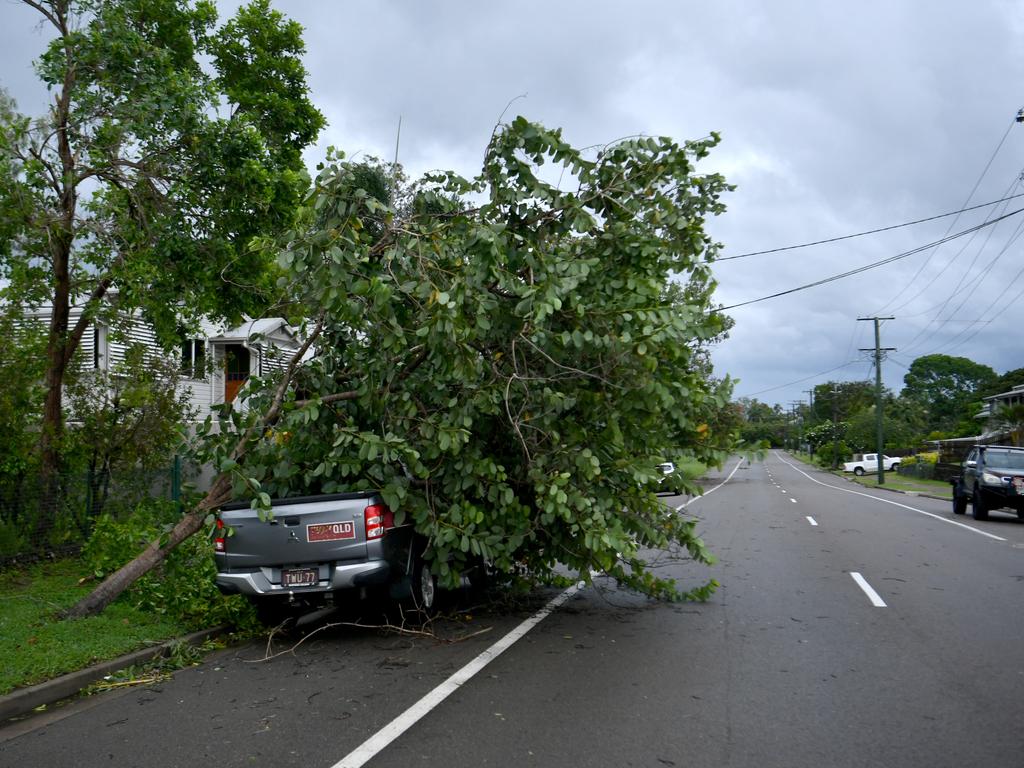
[1017, 390]
[984, 438]
[266, 326]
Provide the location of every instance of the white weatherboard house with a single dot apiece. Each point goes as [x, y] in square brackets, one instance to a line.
[216, 363]
[994, 402]
[254, 348]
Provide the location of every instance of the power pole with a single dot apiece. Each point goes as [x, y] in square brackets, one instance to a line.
[794, 406]
[835, 426]
[810, 395]
[878, 351]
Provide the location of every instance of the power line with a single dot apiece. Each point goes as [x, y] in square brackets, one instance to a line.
[974, 283]
[847, 364]
[950, 262]
[982, 322]
[870, 231]
[873, 264]
[952, 224]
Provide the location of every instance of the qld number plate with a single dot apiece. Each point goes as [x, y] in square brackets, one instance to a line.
[345, 529]
[300, 577]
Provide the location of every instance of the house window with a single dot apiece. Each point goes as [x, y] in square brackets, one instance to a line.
[193, 358]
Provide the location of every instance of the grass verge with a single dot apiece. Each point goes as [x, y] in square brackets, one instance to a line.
[904, 483]
[691, 470]
[37, 646]
[893, 481]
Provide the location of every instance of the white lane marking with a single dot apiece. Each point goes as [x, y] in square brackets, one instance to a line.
[811, 520]
[894, 503]
[712, 490]
[873, 596]
[373, 745]
[793, 500]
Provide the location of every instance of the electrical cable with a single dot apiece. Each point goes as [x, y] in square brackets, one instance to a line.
[952, 224]
[873, 264]
[868, 232]
[973, 284]
[950, 262]
[978, 330]
[982, 322]
[847, 364]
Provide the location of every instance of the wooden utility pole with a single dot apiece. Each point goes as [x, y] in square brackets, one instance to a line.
[878, 352]
[810, 412]
[835, 426]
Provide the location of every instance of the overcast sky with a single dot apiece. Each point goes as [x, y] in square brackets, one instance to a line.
[836, 118]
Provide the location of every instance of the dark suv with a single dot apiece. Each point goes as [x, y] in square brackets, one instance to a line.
[992, 477]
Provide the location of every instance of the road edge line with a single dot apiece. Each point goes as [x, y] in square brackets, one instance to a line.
[707, 493]
[888, 501]
[376, 743]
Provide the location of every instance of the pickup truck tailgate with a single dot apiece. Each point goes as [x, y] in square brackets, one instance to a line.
[311, 529]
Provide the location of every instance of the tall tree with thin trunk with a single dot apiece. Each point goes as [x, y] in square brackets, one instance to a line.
[171, 146]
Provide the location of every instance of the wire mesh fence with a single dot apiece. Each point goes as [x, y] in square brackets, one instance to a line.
[40, 518]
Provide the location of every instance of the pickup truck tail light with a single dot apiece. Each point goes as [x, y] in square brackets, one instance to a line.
[219, 539]
[378, 519]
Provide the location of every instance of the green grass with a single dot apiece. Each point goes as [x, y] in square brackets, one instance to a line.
[893, 481]
[691, 470]
[38, 646]
[905, 483]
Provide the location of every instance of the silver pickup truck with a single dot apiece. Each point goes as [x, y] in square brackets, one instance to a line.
[315, 549]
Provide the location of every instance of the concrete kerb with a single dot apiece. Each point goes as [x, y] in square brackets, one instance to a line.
[923, 494]
[24, 700]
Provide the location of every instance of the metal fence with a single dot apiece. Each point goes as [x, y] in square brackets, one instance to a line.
[39, 519]
[928, 471]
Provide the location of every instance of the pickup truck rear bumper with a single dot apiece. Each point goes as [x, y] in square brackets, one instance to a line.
[333, 576]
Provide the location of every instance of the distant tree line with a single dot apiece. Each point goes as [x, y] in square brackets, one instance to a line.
[942, 397]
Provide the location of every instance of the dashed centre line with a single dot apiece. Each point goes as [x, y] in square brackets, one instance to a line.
[873, 596]
[793, 500]
[811, 520]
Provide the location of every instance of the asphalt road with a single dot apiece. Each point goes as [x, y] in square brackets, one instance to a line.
[793, 662]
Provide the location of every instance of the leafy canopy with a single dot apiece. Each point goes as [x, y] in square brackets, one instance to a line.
[507, 358]
[171, 145]
[945, 386]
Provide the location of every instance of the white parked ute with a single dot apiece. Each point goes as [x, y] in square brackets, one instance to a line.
[869, 463]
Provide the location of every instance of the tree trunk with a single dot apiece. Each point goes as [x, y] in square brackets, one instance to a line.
[52, 429]
[59, 348]
[154, 554]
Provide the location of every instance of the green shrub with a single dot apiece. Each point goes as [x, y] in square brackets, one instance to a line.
[921, 465]
[183, 587]
[12, 540]
[828, 456]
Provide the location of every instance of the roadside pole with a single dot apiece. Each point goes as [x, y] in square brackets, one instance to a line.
[878, 350]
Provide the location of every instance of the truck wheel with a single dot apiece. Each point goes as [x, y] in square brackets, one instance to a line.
[858, 471]
[979, 509]
[424, 586]
[959, 501]
[479, 577]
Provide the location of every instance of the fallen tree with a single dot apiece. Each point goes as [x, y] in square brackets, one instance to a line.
[505, 358]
